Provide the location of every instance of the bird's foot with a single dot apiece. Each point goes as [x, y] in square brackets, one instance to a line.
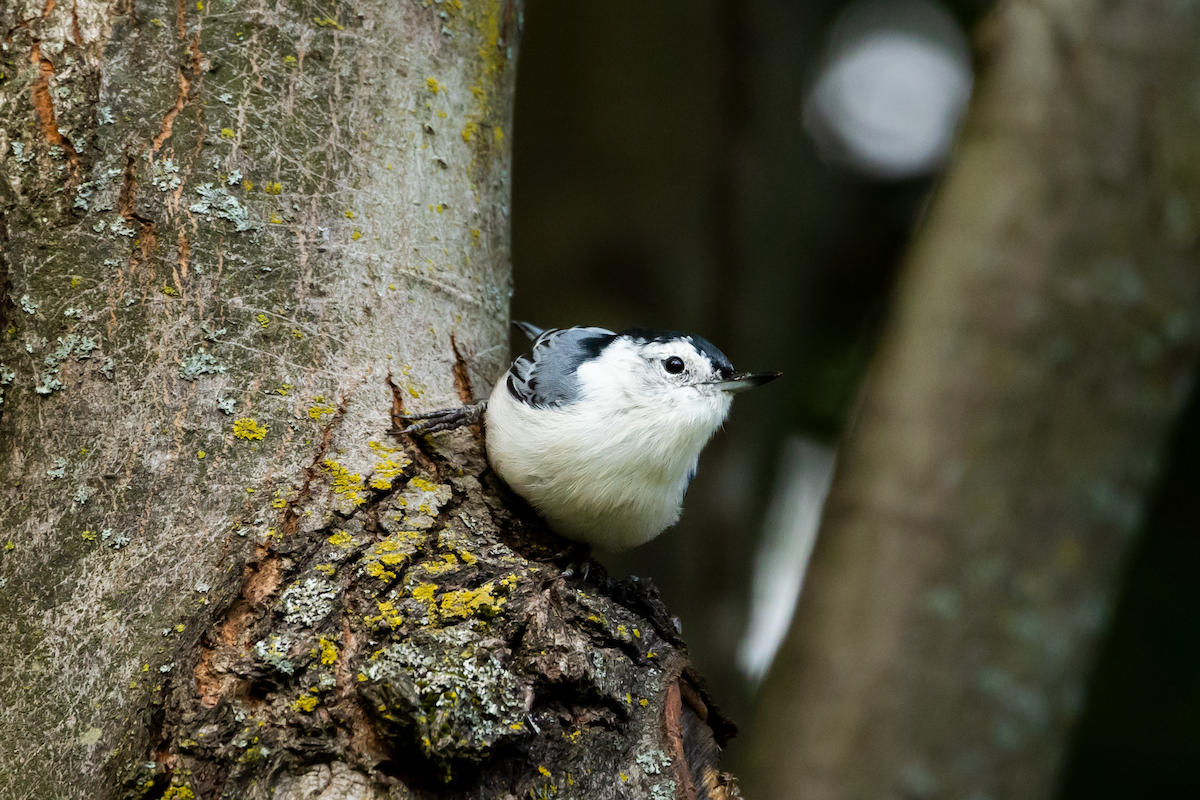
[580, 560]
[446, 419]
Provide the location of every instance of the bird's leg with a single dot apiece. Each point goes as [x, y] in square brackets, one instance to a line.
[446, 419]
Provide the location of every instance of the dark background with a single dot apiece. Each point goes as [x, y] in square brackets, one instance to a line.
[663, 177]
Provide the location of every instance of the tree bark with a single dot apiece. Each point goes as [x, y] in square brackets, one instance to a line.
[237, 239]
[1043, 339]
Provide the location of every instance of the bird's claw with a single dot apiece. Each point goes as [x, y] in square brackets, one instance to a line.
[445, 419]
[583, 568]
[580, 562]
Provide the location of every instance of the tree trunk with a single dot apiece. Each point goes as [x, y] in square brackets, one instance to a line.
[1042, 342]
[237, 238]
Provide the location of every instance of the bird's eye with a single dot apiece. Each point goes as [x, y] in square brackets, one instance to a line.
[673, 365]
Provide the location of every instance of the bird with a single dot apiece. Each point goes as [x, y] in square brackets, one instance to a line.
[601, 432]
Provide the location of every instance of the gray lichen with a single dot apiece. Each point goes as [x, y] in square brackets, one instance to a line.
[308, 602]
[200, 364]
[454, 688]
[215, 200]
[273, 651]
[59, 470]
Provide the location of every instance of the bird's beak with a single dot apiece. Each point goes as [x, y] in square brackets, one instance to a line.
[742, 381]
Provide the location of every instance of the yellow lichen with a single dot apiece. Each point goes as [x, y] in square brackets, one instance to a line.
[329, 653]
[341, 539]
[179, 793]
[388, 614]
[423, 485]
[305, 703]
[273, 187]
[170, 291]
[377, 570]
[445, 563]
[476, 602]
[227, 133]
[349, 214]
[321, 410]
[468, 131]
[424, 592]
[283, 390]
[330, 21]
[297, 334]
[356, 235]
[345, 483]
[87, 536]
[325, 569]
[247, 184]
[263, 320]
[432, 85]
[387, 469]
[200, 454]
[248, 428]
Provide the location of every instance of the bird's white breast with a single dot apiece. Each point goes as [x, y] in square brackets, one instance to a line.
[609, 470]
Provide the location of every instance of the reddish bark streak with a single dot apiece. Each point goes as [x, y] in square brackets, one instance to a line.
[128, 197]
[75, 29]
[208, 687]
[168, 121]
[462, 380]
[43, 106]
[185, 251]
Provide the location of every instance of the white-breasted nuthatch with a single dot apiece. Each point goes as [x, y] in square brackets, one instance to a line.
[601, 431]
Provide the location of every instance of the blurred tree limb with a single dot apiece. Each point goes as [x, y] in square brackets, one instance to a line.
[1042, 340]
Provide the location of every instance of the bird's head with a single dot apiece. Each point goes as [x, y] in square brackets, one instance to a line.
[644, 369]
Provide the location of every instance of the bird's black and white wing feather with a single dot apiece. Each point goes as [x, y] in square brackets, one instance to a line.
[547, 376]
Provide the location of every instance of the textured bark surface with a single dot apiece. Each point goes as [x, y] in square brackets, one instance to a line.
[237, 237]
[1043, 340]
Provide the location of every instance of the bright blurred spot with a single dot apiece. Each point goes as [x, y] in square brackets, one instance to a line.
[892, 90]
[805, 471]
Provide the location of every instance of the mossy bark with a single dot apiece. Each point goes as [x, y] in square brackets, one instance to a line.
[237, 237]
[1043, 339]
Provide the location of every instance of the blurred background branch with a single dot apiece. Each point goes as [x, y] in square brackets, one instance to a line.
[1041, 344]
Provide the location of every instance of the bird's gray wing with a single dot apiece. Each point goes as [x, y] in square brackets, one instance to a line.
[547, 375]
